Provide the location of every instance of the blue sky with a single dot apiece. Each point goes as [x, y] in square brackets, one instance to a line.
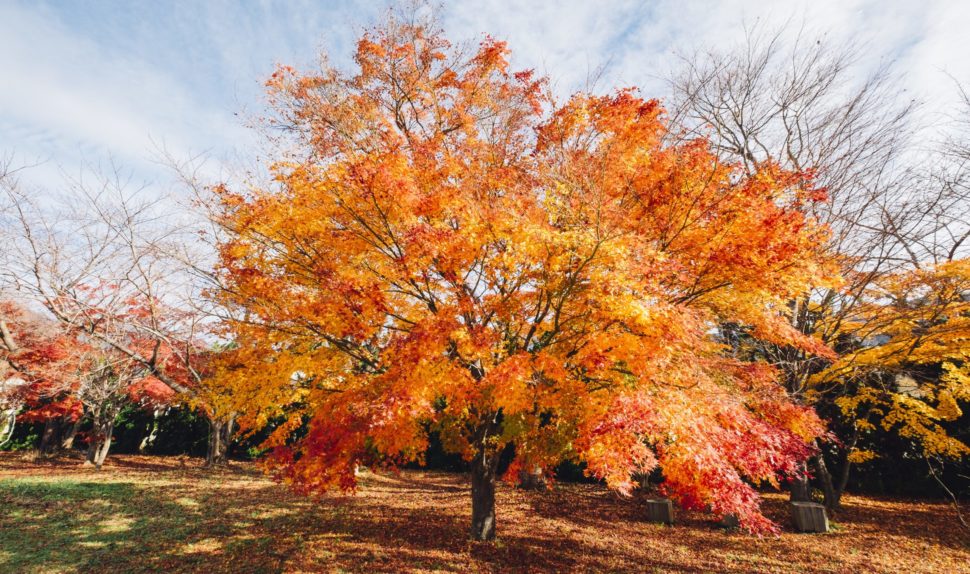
[88, 81]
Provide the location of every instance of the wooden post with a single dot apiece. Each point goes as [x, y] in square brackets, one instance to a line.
[809, 517]
[660, 510]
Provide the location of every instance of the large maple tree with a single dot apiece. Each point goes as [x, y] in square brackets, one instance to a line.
[446, 248]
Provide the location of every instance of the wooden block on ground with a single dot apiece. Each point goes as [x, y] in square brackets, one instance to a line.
[660, 510]
[809, 517]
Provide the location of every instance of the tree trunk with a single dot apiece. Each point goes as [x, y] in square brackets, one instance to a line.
[100, 442]
[800, 488]
[483, 497]
[843, 481]
[50, 440]
[220, 438]
[105, 445]
[152, 432]
[7, 338]
[8, 424]
[532, 479]
[67, 439]
[831, 497]
[844, 472]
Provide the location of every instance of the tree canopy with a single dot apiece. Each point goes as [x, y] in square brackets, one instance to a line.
[446, 248]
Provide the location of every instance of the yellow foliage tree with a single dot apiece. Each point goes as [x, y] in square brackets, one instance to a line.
[908, 371]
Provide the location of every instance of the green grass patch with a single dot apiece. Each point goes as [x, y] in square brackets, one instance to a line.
[72, 525]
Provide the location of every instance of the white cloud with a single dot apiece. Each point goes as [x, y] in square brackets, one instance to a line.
[69, 101]
[638, 39]
[84, 82]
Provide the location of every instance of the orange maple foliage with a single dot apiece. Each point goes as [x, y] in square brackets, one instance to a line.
[449, 250]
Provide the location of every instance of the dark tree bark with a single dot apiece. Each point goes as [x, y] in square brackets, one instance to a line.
[839, 489]
[800, 488]
[484, 470]
[220, 439]
[843, 481]
[50, 440]
[825, 478]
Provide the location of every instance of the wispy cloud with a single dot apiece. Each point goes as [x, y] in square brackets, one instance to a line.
[121, 80]
[83, 81]
[68, 98]
[637, 41]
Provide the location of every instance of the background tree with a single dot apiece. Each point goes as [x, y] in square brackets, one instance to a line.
[37, 368]
[923, 319]
[447, 248]
[796, 103]
[904, 363]
[111, 268]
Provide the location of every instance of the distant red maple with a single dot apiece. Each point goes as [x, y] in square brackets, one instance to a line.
[66, 374]
[151, 392]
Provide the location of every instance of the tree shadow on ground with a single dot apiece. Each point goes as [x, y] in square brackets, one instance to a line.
[145, 516]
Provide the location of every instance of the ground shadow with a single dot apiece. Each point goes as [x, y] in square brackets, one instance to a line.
[150, 516]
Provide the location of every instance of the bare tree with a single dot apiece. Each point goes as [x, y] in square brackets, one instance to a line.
[796, 103]
[198, 257]
[113, 266]
[104, 391]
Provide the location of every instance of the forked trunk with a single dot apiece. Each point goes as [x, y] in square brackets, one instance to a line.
[100, 443]
[105, 445]
[483, 497]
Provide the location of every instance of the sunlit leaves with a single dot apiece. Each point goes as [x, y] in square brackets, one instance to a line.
[450, 249]
[908, 370]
